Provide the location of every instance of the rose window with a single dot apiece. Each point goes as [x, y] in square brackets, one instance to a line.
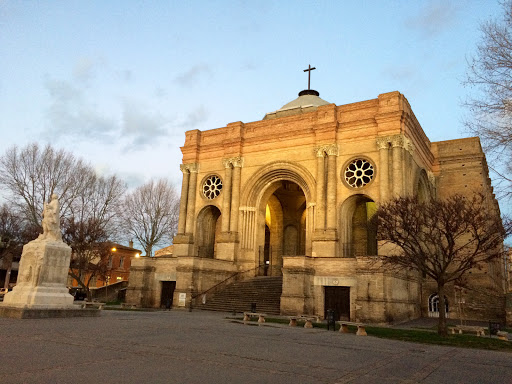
[212, 187]
[359, 173]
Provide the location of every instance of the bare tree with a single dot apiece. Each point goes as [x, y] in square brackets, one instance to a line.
[31, 175]
[11, 237]
[92, 222]
[442, 239]
[150, 214]
[89, 203]
[489, 74]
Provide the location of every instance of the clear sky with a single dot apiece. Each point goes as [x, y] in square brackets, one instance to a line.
[119, 82]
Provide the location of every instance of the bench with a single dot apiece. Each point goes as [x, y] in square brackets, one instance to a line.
[128, 305]
[92, 304]
[502, 335]
[248, 315]
[480, 331]
[308, 320]
[361, 331]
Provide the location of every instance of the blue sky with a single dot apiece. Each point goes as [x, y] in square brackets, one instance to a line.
[119, 82]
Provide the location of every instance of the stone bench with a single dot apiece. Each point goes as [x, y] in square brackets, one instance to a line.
[502, 335]
[260, 316]
[128, 305]
[480, 331]
[92, 304]
[361, 331]
[308, 320]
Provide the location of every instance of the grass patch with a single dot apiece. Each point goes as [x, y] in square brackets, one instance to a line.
[426, 336]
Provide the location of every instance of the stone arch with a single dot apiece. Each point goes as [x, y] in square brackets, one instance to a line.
[433, 305]
[357, 236]
[258, 191]
[422, 187]
[208, 227]
[255, 187]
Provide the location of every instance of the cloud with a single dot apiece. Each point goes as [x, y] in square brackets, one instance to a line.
[141, 127]
[84, 69]
[69, 114]
[195, 118]
[433, 18]
[191, 76]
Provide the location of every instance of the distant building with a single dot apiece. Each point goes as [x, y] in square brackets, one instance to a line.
[118, 266]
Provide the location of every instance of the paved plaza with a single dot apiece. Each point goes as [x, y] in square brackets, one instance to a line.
[204, 347]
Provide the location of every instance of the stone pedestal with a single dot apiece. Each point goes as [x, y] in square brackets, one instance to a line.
[42, 276]
[41, 290]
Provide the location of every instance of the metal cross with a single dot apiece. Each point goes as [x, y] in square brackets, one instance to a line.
[309, 75]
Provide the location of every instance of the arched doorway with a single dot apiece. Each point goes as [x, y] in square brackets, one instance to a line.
[283, 205]
[208, 228]
[433, 305]
[358, 231]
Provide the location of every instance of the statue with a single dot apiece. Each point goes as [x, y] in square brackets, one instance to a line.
[51, 221]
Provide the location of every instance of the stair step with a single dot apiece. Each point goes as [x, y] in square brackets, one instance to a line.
[264, 291]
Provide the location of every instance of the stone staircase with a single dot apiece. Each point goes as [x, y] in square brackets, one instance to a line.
[264, 291]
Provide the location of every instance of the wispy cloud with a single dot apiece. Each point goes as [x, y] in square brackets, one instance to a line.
[69, 113]
[141, 127]
[195, 118]
[193, 75]
[434, 17]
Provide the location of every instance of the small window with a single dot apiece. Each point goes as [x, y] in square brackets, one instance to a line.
[121, 262]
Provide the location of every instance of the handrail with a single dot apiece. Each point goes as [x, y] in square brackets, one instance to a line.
[224, 281]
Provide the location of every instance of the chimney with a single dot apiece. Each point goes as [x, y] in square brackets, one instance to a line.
[130, 243]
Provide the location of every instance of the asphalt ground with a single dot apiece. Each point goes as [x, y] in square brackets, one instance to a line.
[205, 347]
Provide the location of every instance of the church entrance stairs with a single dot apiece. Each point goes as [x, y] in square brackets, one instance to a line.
[240, 296]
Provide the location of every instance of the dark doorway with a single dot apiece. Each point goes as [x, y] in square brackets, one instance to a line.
[168, 288]
[338, 299]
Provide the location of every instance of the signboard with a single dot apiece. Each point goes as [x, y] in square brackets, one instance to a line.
[182, 298]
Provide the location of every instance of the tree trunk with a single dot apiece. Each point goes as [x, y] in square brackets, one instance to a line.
[441, 326]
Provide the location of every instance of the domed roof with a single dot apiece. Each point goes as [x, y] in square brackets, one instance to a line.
[307, 101]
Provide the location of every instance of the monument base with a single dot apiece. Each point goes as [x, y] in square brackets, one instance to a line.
[46, 313]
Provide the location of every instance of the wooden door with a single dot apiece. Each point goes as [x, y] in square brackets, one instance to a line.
[338, 299]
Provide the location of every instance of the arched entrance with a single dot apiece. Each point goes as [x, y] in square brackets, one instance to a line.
[208, 228]
[283, 205]
[358, 232]
[433, 306]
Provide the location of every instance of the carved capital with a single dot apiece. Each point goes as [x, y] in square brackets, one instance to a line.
[327, 149]
[237, 161]
[383, 142]
[397, 141]
[332, 150]
[190, 167]
[408, 145]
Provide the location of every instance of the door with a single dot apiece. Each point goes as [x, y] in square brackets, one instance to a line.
[338, 299]
[168, 288]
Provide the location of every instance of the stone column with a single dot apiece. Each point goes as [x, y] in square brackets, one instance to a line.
[183, 198]
[332, 153]
[320, 189]
[235, 195]
[383, 144]
[191, 205]
[397, 143]
[226, 202]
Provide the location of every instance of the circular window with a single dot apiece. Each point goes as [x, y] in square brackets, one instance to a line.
[359, 172]
[212, 187]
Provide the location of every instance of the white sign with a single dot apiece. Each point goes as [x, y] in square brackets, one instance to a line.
[182, 298]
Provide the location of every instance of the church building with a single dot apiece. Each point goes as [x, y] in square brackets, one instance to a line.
[288, 199]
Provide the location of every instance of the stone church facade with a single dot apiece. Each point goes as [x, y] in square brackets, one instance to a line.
[291, 195]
